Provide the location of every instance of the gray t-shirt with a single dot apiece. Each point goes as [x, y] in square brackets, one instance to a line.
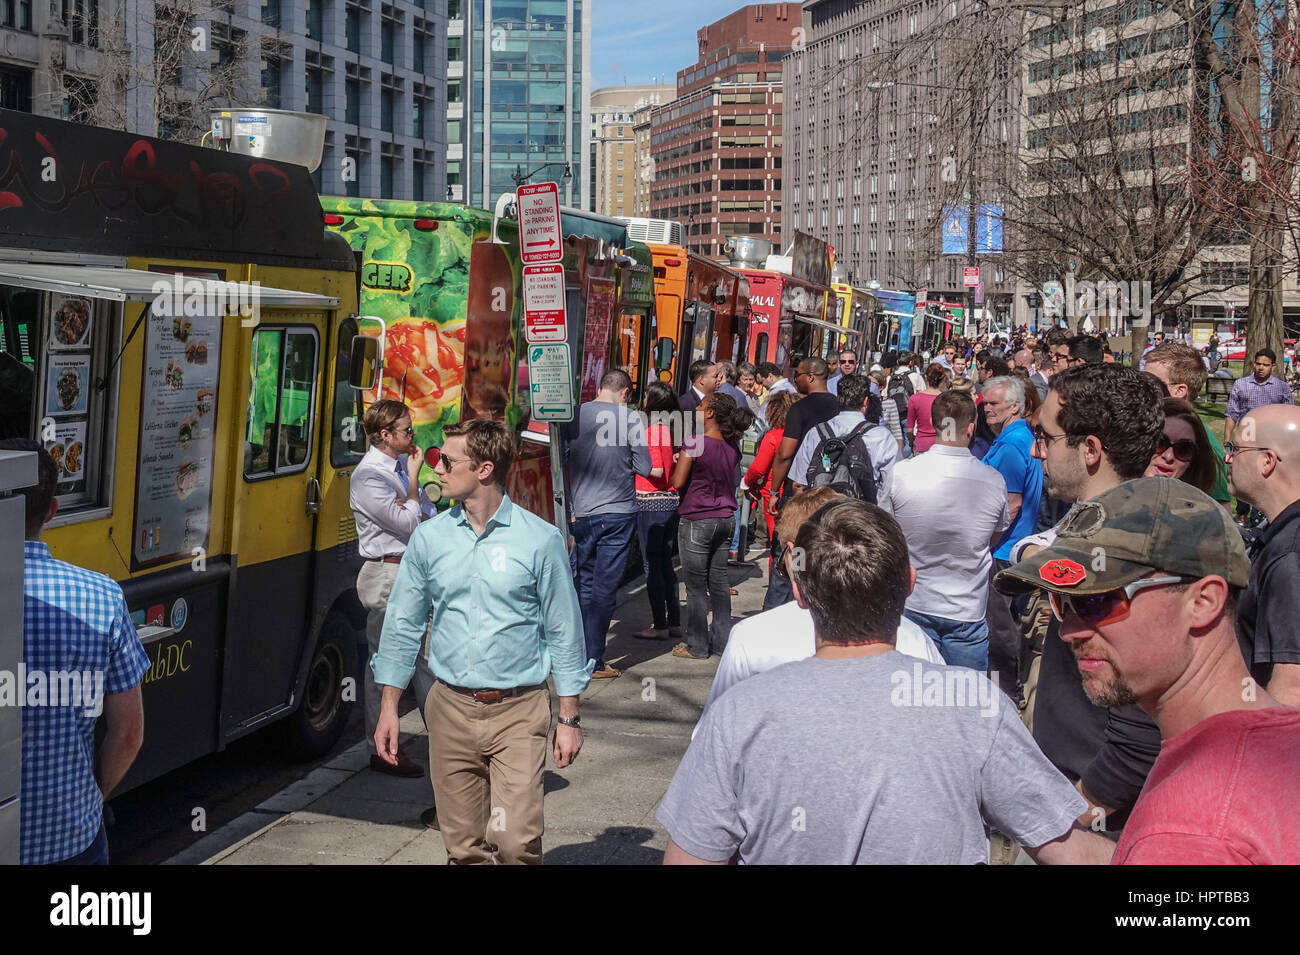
[605, 445]
[881, 759]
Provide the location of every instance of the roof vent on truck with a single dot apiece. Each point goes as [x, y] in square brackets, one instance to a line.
[661, 231]
[280, 134]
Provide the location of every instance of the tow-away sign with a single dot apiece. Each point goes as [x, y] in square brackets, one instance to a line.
[539, 223]
[544, 304]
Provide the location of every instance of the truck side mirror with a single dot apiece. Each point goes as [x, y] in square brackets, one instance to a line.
[663, 354]
[363, 363]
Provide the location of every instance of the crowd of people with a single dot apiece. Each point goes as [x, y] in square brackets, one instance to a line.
[1005, 592]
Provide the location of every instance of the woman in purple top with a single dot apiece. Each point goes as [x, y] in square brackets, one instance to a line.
[706, 476]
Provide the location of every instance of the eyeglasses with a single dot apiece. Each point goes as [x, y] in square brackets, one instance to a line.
[1235, 449]
[1184, 448]
[409, 432]
[1097, 610]
[848, 361]
[1042, 437]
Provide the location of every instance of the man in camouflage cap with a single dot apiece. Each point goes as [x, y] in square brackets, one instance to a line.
[1144, 579]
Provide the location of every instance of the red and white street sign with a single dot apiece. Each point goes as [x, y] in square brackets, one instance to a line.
[544, 304]
[539, 223]
[970, 276]
[921, 295]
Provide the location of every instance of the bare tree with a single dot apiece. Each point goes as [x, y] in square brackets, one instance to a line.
[164, 68]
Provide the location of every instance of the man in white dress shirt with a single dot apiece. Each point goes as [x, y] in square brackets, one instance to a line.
[386, 502]
[952, 553]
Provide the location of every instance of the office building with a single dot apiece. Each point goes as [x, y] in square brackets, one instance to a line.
[716, 148]
[376, 71]
[518, 90]
[613, 144]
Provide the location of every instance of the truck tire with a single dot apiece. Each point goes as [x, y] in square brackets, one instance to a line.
[318, 722]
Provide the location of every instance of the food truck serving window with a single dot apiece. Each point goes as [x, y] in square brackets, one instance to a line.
[281, 402]
[55, 352]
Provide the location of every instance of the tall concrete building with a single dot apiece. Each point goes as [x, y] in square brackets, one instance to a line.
[867, 154]
[1169, 109]
[376, 71]
[717, 147]
[613, 144]
[643, 155]
[518, 91]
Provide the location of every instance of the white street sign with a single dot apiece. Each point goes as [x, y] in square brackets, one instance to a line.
[550, 382]
[544, 319]
[539, 223]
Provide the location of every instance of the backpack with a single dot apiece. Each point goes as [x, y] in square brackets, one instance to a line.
[843, 463]
[899, 388]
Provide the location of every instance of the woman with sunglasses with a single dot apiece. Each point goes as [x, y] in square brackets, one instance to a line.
[1184, 450]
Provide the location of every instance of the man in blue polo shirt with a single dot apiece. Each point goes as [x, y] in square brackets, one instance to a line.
[78, 635]
[1012, 456]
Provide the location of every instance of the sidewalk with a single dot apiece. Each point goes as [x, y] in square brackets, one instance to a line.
[598, 811]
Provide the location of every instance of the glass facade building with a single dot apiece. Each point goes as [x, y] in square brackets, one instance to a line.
[518, 87]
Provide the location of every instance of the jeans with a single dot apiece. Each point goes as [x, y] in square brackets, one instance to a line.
[601, 543]
[960, 643]
[657, 533]
[735, 534]
[703, 548]
[779, 590]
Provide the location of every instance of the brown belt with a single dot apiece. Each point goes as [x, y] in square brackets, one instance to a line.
[492, 696]
[390, 559]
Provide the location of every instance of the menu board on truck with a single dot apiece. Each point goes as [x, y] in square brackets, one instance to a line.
[178, 407]
[595, 342]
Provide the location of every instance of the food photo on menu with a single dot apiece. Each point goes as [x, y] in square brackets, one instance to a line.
[72, 323]
[68, 378]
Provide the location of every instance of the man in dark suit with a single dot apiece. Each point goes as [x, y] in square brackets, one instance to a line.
[705, 378]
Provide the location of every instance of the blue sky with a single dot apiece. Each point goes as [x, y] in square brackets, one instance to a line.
[631, 42]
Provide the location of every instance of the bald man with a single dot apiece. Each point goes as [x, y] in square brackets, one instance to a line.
[1264, 458]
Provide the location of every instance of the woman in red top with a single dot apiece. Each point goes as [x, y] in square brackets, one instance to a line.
[919, 425]
[656, 523]
[757, 478]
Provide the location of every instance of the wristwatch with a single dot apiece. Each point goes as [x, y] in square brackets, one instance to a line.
[570, 720]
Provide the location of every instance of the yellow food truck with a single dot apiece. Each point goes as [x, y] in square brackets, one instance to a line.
[175, 327]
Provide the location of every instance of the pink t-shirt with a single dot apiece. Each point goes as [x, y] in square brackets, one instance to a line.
[918, 417]
[1225, 792]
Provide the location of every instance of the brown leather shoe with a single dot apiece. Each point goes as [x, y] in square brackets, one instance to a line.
[405, 768]
[607, 672]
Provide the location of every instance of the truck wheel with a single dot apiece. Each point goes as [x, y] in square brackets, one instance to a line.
[319, 720]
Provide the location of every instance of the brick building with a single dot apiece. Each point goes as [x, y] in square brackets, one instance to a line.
[717, 146]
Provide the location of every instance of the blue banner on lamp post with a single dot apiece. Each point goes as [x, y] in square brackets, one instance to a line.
[988, 229]
[954, 230]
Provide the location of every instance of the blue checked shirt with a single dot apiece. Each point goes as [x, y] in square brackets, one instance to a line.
[1249, 393]
[505, 613]
[73, 620]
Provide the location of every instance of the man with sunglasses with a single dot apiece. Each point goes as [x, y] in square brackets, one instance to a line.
[1099, 427]
[1156, 341]
[837, 368]
[387, 504]
[1266, 473]
[491, 582]
[1144, 581]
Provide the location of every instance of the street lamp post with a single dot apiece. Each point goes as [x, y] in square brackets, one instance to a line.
[520, 177]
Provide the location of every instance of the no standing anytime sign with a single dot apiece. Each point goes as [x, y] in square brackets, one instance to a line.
[539, 223]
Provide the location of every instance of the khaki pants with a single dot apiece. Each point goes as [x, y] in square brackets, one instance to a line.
[486, 760]
[374, 584]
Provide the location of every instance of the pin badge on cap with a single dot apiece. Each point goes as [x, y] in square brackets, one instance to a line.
[1062, 572]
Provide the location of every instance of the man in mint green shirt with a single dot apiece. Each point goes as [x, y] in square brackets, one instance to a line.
[493, 582]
